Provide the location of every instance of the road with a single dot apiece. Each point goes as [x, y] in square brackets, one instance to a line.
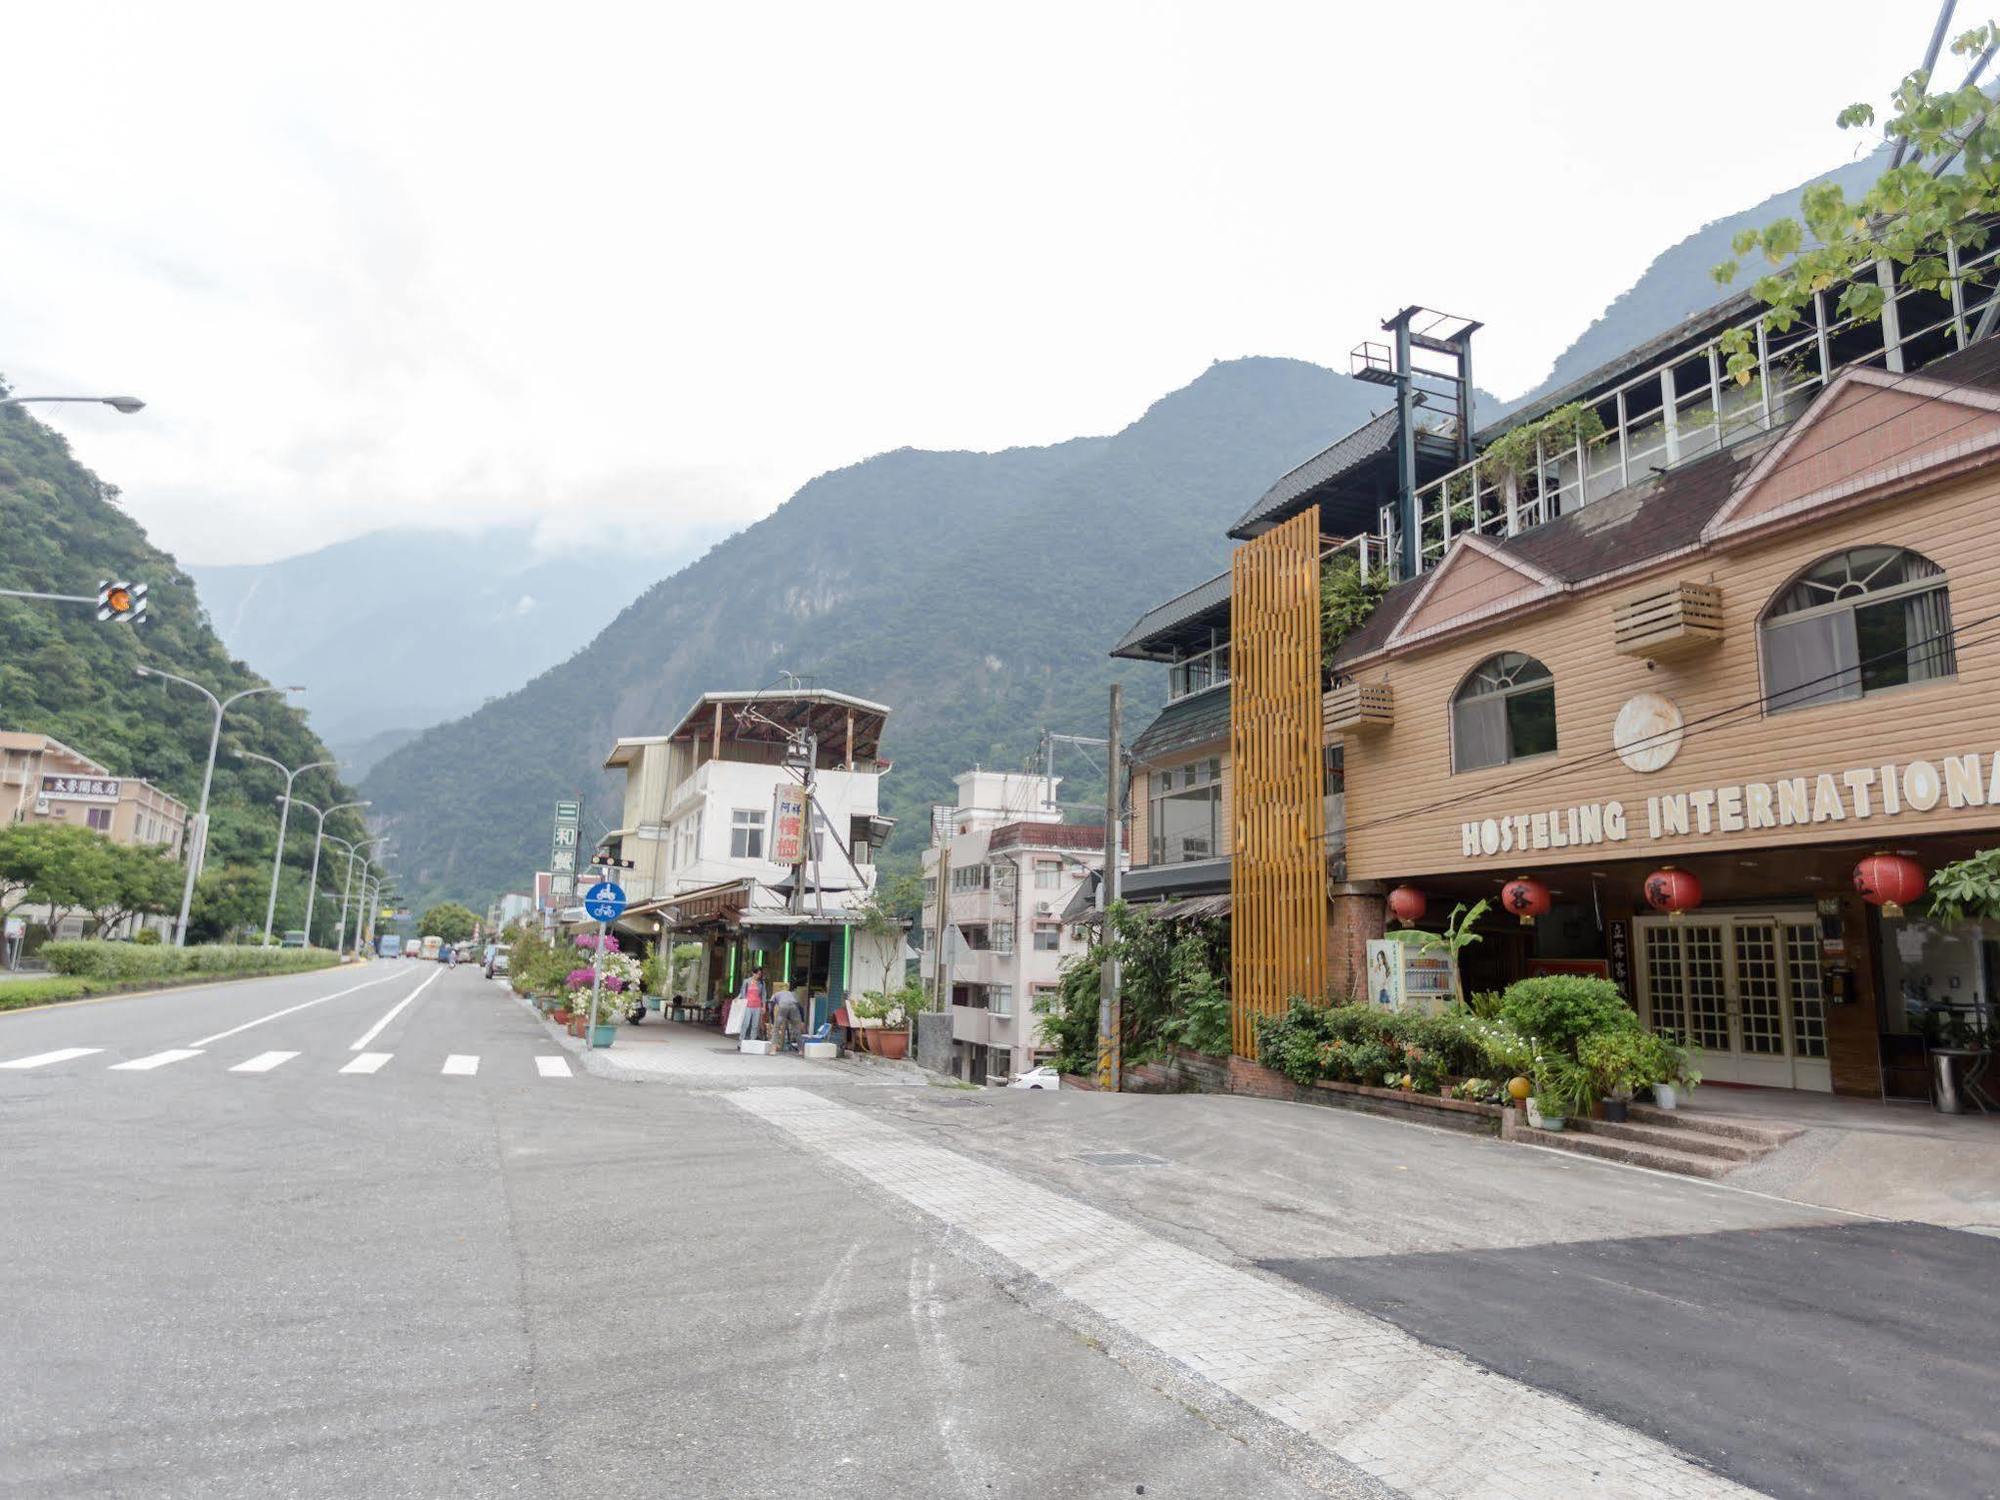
[376, 1232]
[414, 1282]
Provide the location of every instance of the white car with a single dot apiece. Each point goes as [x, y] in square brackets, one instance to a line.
[1043, 1077]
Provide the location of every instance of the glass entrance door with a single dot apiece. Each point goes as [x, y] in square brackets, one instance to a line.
[1745, 990]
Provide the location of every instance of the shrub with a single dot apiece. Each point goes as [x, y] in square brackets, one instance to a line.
[146, 937]
[1560, 1010]
[1366, 1044]
[89, 958]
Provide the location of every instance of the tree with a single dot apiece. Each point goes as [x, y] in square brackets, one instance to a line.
[1916, 215]
[138, 880]
[24, 849]
[227, 899]
[78, 873]
[880, 920]
[448, 920]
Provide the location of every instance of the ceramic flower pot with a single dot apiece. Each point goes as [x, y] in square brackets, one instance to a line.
[602, 1036]
[892, 1043]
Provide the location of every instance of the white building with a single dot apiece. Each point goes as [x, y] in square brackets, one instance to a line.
[1010, 866]
[702, 824]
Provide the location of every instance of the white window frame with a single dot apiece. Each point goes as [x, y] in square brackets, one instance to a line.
[746, 821]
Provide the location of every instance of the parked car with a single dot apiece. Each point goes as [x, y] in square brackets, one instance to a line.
[496, 964]
[1043, 1077]
[432, 947]
[294, 937]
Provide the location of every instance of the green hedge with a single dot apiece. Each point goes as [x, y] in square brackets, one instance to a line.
[18, 994]
[129, 961]
[1385, 1048]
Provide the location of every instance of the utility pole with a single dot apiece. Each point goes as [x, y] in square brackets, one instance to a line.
[1109, 1017]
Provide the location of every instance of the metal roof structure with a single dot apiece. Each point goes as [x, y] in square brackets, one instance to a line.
[1183, 620]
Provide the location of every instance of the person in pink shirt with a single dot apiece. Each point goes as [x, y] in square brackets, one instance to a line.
[753, 1005]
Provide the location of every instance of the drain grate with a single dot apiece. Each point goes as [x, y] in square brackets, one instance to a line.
[1121, 1159]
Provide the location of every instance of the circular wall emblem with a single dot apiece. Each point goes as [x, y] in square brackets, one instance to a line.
[1647, 735]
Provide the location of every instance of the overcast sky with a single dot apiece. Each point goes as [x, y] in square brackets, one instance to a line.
[657, 264]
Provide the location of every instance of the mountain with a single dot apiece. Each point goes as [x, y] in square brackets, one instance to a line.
[976, 593]
[63, 673]
[1679, 282]
[973, 592]
[397, 630]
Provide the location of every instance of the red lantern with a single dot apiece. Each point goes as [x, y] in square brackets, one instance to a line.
[1526, 897]
[1888, 881]
[1407, 905]
[1672, 890]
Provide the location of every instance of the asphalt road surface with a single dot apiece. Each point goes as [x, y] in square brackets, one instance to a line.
[418, 1281]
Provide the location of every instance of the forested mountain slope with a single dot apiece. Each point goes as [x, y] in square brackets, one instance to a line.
[397, 630]
[63, 673]
[976, 593]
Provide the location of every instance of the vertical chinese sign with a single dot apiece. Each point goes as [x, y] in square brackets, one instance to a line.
[562, 855]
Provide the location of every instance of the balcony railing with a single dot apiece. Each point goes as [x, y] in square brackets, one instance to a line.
[1689, 405]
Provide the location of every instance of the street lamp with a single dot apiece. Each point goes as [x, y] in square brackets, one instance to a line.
[347, 888]
[284, 818]
[198, 851]
[312, 882]
[125, 404]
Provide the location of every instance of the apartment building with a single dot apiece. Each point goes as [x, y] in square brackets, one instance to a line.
[1011, 871]
[42, 780]
[713, 822]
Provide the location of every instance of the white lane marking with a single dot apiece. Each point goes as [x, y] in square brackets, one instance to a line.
[43, 1059]
[552, 1067]
[157, 1060]
[1422, 1420]
[395, 1010]
[263, 1062]
[290, 1009]
[458, 1065]
[368, 1062]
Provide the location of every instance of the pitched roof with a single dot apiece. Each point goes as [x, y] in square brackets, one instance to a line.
[1181, 610]
[1198, 719]
[1281, 500]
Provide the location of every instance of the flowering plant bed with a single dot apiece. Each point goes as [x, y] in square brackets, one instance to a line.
[1412, 1098]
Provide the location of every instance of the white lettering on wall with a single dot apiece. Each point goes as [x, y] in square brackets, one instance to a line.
[1919, 786]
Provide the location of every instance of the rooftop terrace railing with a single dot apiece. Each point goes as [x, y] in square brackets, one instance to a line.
[1689, 405]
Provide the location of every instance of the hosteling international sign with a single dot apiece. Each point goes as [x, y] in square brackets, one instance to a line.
[1882, 791]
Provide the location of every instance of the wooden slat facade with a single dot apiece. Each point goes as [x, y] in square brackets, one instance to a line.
[1358, 706]
[1278, 868]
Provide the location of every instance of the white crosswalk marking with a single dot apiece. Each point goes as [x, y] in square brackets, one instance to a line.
[43, 1059]
[368, 1062]
[458, 1065]
[263, 1062]
[552, 1067]
[157, 1060]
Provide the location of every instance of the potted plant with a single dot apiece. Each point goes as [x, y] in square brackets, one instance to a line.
[1676, 1079]
[1562, 1089]
[1616, 1062]
[605, 1031]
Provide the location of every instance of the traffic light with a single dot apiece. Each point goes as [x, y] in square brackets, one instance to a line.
[121, 601]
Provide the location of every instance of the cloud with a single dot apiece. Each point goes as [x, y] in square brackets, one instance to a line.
[653, 267]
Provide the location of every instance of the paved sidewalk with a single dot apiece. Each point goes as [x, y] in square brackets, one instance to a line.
[1430, 1423]
[674, 1051]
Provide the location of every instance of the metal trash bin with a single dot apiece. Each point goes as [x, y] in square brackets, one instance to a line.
[1947, 1066]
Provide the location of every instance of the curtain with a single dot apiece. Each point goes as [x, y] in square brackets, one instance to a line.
[1814, 660]
[1927, 627]
[1479, 733]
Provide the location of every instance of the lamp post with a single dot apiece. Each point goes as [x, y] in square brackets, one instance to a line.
[284, 818]
[125, 405]
[198, 850]
[347, 888]
[312, 881]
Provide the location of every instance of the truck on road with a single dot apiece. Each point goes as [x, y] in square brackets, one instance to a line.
[433, 945]
[389, 945]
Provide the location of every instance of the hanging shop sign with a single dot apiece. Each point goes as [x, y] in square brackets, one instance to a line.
[562, 853]
[80, 788]
[788, 825]
[1890, 790]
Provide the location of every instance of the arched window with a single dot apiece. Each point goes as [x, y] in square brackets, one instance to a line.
[1506, 710]
[1855, 623]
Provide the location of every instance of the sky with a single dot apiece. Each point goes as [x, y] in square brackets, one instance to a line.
[649, 267]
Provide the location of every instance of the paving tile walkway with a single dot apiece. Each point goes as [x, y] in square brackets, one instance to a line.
[1422, 1420]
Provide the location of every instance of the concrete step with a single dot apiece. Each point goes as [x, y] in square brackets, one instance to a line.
[1673, 1138]
[1727, 1127]
[1659, 1158]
